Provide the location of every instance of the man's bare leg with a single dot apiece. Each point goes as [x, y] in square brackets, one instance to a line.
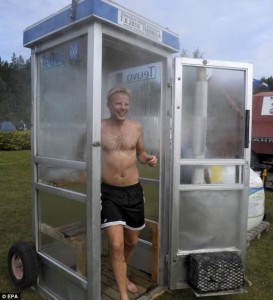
[130, 242]
[115, 237]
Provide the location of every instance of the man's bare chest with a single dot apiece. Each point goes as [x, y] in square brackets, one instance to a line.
[119, 141]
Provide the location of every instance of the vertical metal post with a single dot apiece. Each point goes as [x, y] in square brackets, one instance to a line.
[200, 123]
[94, 76]
[247, 155]
[34, 100]
[175, 180]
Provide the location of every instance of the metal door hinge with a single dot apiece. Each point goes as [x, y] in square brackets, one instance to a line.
[96, 144]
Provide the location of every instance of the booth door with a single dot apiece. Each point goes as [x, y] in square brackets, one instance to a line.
[210, 160]
[60, 171]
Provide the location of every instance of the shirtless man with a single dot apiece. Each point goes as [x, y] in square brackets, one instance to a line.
[122, 214]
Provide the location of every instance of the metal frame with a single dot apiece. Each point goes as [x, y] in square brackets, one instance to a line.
[96, 23]
[93, 104]
[165, 170]
[94, 160]
[57, 162]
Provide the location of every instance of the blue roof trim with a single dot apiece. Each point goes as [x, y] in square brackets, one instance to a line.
[46, 27]
[55, 22]
[106, 11]
[84, 9]
[171, 40]
[110, 13]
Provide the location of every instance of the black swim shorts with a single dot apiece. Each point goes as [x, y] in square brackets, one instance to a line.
[122, 205]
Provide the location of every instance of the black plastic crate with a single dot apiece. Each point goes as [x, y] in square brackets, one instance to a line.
[214, 272]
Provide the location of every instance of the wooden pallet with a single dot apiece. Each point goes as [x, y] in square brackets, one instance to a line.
[142, 280]
[77, 241]
[74, 235]
[256, 232]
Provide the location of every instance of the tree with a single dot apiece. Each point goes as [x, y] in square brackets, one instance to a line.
[195, 54]
[15, 90]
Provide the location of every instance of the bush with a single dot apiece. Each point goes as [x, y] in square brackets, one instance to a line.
[15, 140]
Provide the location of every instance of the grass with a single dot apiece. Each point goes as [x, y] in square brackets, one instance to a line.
[15, 211]
[15, 224]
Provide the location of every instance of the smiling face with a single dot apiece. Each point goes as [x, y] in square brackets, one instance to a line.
[118, 105]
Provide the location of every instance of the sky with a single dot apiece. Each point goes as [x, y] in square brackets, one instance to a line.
[240, 30]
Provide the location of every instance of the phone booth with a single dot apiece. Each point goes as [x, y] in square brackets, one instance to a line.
[78, 54]
[195, 115]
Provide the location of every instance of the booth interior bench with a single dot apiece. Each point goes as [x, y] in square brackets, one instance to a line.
[74, 235]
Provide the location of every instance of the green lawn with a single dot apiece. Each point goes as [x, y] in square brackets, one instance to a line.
[15, 211]
[15, 224]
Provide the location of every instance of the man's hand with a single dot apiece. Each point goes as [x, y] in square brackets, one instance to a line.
[151, 160]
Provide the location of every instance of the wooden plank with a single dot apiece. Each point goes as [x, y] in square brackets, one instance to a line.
[75, 242]
[154, 293]
[154, 227]
[72, 230]
[105, 297]
[109, 291]
[143, 285]
[142, 280]
[81, 262]
[109, 280]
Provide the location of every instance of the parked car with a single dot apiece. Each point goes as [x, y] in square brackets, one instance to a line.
[7, 126]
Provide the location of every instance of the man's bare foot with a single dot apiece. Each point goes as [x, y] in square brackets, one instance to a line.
[131, 287]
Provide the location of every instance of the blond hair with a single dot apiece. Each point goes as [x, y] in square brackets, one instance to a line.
[115, 90]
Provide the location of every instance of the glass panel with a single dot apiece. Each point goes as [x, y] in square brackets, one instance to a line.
[147, 172]
[67, 178]
[62, 224]
[212, 113]
[61, 107]
[209, 219]
[211, 174]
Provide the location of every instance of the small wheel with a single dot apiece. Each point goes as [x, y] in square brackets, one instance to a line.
[23, 264]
